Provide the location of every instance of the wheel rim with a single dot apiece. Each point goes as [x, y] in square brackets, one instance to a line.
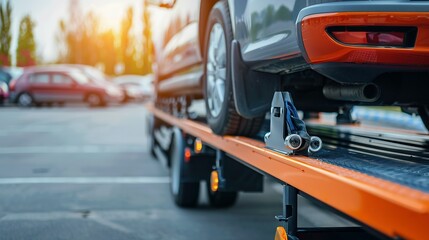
[216, 70]
[25, 100]
[94, 100]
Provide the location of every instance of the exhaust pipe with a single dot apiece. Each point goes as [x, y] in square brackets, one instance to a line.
[368, 92]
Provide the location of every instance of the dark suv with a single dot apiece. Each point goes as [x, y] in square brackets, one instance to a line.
[54, 84]
[329, 54]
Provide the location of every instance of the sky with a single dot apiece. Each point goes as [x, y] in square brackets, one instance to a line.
[48, 13]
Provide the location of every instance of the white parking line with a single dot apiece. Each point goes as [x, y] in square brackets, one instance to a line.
[85, 180]
[73, 149]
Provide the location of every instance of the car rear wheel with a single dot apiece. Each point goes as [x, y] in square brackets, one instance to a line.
[25, 100]
[222, 116]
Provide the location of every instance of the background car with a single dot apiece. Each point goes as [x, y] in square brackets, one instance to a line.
[54, 84]
[136, 87]
[235, 54]
[97, 77]
[4, 92]
[7, 74]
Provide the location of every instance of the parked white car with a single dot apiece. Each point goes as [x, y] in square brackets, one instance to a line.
[136, 87]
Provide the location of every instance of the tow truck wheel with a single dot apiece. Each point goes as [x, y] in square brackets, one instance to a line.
[221, 199]
[185, 193]
[222, 116]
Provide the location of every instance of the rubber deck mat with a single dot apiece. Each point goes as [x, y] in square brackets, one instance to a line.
[400, 159]
[406, 173]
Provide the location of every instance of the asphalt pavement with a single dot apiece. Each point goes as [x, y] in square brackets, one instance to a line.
[80, 173]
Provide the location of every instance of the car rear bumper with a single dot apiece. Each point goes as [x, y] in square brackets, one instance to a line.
[321, 48]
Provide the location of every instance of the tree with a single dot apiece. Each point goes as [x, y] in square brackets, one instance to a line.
[90, 41]
[61, 41]
[26, 50]
[5, 33]
[107, 50]
[81, 39]
[147, 42]
[75, 33]
[128, 51]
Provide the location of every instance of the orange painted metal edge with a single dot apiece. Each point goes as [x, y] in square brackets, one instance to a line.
[390, 208]
[322, 48]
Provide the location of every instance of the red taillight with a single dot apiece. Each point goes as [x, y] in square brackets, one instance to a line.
[350, 37]
[12, 85]
[371, 38]
[401, 37]
[391, 38]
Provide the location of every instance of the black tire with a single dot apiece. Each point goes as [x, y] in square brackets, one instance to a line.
[424, 115]
[151, 122]
[25, 100]
[185, 194]
[221, 199]
[95, 100]
[227, 121]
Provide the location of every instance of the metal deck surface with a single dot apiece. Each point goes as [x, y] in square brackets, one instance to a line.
[406, 173]
[385, 193]
[394, 156]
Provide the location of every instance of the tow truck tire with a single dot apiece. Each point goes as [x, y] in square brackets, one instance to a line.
[222, 116]
[221, 199]
[150, 128]
[185, 193]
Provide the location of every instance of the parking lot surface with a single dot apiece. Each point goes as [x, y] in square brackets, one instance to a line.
[84, 173]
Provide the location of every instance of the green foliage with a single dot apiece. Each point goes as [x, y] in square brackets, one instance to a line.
[5, 33]
[26, 51]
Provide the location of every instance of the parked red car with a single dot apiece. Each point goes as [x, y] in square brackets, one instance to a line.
[54, 84]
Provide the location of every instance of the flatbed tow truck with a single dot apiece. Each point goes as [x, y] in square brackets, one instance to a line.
[379, 180]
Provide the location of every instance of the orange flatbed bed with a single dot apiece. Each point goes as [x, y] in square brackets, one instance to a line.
[390, 208]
